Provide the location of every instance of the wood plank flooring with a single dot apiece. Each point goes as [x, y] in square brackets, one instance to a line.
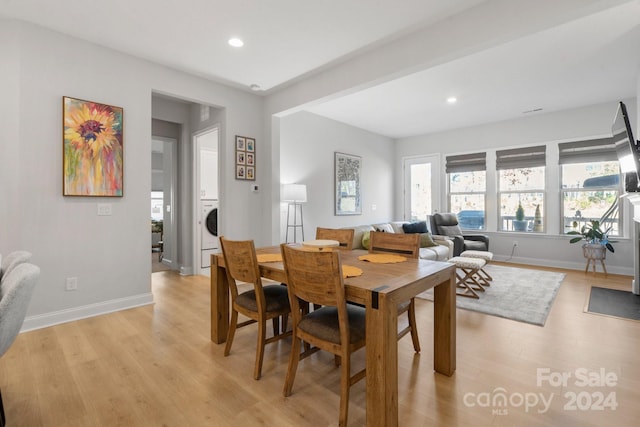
[155, 366]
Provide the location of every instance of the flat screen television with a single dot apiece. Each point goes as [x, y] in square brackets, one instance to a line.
[626, 149]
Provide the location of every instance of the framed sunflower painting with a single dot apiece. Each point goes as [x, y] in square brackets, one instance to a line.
[92, 149]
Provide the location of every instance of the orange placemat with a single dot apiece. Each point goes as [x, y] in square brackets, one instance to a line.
[350, 271]
[269, 257]
[382, 258]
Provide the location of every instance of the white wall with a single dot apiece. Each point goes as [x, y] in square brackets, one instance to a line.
[307, 146]
[551, 248]
[108, 254]
[11, 152]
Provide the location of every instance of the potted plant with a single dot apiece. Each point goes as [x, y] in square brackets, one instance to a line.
[597, 240]
[519, 224]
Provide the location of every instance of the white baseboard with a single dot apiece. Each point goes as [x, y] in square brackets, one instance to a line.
[563, 264]
[56, 317]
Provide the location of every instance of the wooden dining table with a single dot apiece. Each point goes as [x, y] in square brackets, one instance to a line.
[380, 288]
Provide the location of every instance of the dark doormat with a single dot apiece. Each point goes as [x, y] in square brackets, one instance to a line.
[613, 302]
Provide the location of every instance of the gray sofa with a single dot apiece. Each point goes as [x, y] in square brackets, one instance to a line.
[442, 252]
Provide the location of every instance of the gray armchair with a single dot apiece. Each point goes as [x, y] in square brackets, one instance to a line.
[10, 261]
[446, 224]
[16, 288]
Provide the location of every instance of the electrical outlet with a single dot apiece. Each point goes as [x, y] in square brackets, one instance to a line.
[104, 209]
[515, 243]
[72, 284]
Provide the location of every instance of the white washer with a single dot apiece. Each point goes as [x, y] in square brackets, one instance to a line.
[209, 231]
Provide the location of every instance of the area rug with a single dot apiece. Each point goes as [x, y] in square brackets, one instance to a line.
[613, 302]
[515, 293]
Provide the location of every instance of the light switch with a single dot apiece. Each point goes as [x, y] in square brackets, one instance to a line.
[104, 209]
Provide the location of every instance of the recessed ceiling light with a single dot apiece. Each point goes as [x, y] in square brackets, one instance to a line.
[235, 42]
[452, 100]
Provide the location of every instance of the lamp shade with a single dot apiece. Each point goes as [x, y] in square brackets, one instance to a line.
[296, 193]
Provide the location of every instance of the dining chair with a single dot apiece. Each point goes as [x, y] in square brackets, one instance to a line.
[343, 235]
[259, 304]
[336, 327]
[407, 244]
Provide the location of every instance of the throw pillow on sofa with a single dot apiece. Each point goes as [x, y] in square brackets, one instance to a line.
[415, 227]
[384, 228]
[366, 238]
[426, 241]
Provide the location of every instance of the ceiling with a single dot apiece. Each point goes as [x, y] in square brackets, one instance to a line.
[581, 62]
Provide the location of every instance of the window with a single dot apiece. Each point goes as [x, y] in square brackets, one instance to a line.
[467, 187]
[156, 205]
[590, 184]
[521, 179]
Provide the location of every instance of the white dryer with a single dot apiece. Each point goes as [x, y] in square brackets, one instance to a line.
[209, 231]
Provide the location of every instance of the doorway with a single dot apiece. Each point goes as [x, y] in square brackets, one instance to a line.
[421, 186]
[208, 204]
[163, 184]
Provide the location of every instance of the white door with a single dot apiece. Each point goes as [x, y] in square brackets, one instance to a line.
[421, 186]
[206, 174]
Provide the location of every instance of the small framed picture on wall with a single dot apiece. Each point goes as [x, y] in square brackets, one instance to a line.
[251, 145]
[245, 158]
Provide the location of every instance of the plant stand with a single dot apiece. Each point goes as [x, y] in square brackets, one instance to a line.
[593, 253]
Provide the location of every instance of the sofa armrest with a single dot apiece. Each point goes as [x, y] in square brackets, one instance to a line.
[445, 241]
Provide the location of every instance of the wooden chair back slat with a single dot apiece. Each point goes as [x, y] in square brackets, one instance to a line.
[397, 243]
[315, 277]
[241, 264]
[342, 235]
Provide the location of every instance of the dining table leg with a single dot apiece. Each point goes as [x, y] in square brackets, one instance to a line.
[219, 302]
[444, 326]
[382, 361]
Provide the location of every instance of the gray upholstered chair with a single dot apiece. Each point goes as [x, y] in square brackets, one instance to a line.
[16, 288]
[446, 224]
[12, 260]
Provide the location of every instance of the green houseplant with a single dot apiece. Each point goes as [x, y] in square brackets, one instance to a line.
[597, 240]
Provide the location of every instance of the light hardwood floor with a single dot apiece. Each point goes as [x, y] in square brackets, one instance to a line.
[155, 366]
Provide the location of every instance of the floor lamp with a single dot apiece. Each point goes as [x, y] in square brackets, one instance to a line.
[294, 195]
